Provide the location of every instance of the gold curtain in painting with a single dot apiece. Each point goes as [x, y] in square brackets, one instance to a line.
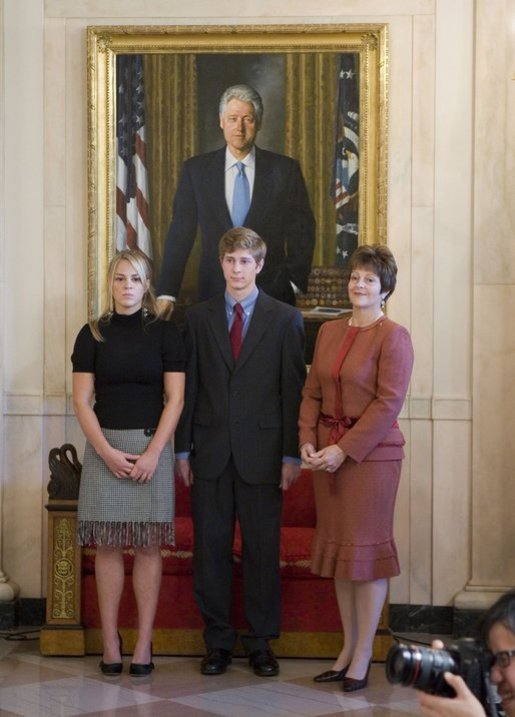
[172, 137]
[310, 89]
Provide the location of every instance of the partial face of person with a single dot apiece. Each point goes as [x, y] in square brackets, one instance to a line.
[240, 127]
[365, 289]
[240, 272]
[500, 640]
[128, 289]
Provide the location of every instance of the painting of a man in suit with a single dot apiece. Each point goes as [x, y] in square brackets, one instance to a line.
[278, 207]
[237, 447]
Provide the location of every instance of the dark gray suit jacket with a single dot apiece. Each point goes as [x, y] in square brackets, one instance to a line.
[248, 409]
[279, 212]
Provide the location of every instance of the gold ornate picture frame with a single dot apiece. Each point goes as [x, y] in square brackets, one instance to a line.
[296, 42]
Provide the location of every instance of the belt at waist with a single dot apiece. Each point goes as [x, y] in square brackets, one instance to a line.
[339, 426]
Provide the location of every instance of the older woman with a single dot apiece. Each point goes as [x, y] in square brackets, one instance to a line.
[126, 362]
[349, 436]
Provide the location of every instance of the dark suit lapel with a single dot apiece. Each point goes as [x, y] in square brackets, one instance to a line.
[219, 329]
[214, 188]
[263, 189]
[263, 314]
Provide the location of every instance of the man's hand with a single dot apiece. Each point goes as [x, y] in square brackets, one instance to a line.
[183, 469]
[165, 308]
[463, 705]
[289, 474]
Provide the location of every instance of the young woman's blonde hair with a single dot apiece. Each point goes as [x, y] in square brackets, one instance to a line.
[142, 266]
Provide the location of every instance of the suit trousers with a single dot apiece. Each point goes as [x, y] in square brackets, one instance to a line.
[215, 506]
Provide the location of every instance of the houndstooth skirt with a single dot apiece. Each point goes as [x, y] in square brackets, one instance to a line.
[120, 512]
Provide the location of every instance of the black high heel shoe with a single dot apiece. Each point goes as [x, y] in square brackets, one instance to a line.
[140, 669]
[112, 668]
[331, 675]
[350, 684]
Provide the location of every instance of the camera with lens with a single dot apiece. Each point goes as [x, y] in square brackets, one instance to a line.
[424, 667]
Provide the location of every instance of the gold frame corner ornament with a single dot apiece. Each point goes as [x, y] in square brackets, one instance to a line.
[370, 41]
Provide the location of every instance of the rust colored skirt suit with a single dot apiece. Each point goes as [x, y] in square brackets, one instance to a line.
[352, 397]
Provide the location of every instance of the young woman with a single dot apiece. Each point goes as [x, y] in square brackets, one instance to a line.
[128, 393]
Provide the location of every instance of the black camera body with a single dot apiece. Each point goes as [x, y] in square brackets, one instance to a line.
[424, 667]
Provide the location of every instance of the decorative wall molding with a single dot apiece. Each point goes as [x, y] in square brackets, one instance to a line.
[437, 408]
[268, 10]
[37, 405]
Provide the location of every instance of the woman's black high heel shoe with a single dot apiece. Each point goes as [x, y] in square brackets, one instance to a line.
[139, 669]
[331, 675]
[350, 684]
[112, 668]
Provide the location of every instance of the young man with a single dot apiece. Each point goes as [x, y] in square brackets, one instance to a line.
[237, 447]
[276, 206]
[498, 634]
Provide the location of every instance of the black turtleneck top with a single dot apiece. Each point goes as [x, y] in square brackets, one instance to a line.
[128, 367]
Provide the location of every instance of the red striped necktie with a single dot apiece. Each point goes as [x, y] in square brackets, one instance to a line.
[236, 331]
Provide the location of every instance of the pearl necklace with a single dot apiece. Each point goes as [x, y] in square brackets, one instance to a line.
[379, 316]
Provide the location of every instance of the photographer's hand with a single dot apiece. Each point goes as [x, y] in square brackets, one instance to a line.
[463, 705]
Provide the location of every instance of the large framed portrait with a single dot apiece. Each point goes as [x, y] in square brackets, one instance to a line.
[324, 89]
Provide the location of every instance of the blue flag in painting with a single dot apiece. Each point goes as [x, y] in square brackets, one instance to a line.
[345, 183]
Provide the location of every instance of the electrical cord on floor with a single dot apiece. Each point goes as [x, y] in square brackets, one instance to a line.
[408, 638]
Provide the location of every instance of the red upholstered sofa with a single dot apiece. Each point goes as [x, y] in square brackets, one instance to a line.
[309, 615]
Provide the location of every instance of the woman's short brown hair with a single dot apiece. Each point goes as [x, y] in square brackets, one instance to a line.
[380, 260]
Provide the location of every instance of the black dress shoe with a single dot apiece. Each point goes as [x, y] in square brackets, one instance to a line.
[215, 662]
[112, 668]
[331, 675]
[264, 663]
[349, 684]
[140, 669]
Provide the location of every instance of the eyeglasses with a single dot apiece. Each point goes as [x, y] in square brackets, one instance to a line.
[502, 658]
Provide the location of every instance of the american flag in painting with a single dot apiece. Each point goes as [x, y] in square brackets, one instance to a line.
[132, 210]
[346, 159]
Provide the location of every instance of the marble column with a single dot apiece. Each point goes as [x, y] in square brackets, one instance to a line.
[9, 590]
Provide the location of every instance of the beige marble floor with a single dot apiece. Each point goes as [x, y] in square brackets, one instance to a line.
[34, 686]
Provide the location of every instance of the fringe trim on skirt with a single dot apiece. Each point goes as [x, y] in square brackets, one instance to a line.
[119, 535]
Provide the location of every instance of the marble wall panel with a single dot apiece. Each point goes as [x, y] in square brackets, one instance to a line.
[22, 515]
[399, 586]
[55, 303]
[421, 514]
[55, 113]
[494, 431]
[422, 301]
[451, 491]
[423, 98]
[494, 178]
[399, 162]
[76, 140]
[24, 188]
[453, 199]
